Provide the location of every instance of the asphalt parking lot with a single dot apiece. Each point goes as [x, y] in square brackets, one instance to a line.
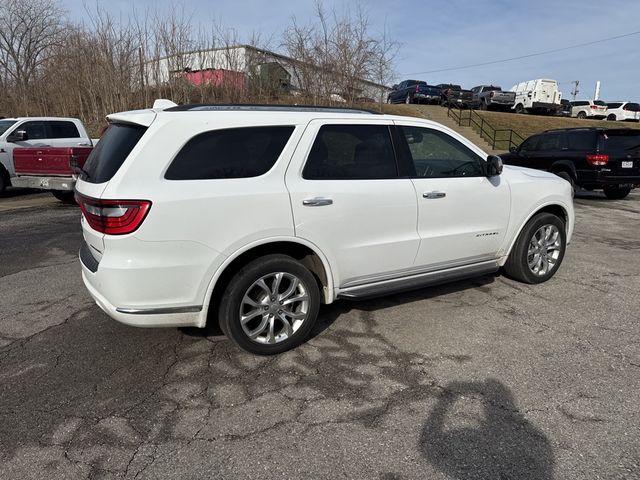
[474, 380]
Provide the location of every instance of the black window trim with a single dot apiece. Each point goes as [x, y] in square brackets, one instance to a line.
[406, 167]
[394, 148]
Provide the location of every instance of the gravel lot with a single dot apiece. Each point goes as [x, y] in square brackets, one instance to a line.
[479, 379]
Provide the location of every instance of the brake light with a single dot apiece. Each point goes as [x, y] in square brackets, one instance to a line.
[597, 160]
[113, 217]
[417, 88]
[595, 107]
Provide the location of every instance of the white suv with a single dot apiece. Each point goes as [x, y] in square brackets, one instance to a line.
[255, 215]
[623, 111]
[589, 109]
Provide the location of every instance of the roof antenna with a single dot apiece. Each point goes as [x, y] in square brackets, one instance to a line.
[162, 104]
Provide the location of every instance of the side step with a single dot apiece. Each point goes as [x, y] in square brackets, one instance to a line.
[413, 282]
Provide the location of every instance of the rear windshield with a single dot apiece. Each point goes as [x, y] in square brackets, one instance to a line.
[633, 107]
[599, 102]
[625, 141]
[582, 140]
[114, 147]
[5, 124]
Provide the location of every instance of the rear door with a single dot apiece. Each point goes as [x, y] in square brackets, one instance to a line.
[623, 148]
[348, 199]
[547, 92]
[64, 133]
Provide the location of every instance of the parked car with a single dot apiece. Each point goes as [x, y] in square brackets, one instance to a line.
[49, 168]
[255, 215]
[490, 97]
[591, 158]
[625, 111]
[36, 131]
[414, 91]
[537, 96]
[454, 96]
[589, 109]
[565, 108]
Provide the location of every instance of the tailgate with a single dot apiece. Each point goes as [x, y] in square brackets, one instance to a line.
[48, 161]
[623, 148]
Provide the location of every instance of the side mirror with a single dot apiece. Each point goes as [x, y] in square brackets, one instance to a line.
[513, 149]
[494, 165]
[18, 136]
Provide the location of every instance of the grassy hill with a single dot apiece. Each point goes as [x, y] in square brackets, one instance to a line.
[525, 124]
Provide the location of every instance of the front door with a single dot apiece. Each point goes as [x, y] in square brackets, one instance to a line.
[462, 214]
[348, 199]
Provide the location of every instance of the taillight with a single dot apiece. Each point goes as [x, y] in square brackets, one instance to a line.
[597, 160]
[595, 107]
[417, 88]
[113, 217]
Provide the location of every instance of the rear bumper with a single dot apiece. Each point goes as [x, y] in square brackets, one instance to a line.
[45, 183]
[595, 179]
[131, 296]
[426, 96]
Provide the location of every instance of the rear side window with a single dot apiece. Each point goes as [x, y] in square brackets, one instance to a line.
[351, 152]
[632, 107]
[62, 129]
[614, 105]
[581, 141]
[230, 153]
[114, 147]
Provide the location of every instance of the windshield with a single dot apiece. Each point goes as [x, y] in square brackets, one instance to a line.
[492, 89]
[5, 124]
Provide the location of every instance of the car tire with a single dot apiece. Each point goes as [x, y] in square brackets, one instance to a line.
[520, 108]
[3, 183]
[616, 193]
[611, 118]
[64, 196]
[255, 292]
[581, 115]
[567, 176]
[539, 249]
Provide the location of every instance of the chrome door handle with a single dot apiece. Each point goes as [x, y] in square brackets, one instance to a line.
[434, 195]
[317, 202]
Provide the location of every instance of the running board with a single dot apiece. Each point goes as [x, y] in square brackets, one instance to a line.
[413, 282]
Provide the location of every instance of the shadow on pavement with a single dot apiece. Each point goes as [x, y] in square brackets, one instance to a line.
[502, 445]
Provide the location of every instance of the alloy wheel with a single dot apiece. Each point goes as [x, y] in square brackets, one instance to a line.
[544, 250]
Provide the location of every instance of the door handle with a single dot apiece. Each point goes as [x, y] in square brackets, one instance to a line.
[434, 195]
[317, 202]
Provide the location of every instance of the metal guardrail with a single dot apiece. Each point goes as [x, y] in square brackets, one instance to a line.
[494, 136]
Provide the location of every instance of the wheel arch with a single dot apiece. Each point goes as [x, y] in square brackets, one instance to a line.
[564, 166]
[307, 253]
[554, 208]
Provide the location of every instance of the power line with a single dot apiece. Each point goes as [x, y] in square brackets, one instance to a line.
[525, 56]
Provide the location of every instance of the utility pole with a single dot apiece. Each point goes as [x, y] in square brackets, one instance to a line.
[575, 90]
[596, 95]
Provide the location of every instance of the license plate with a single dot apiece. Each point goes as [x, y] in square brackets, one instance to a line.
[627, 164]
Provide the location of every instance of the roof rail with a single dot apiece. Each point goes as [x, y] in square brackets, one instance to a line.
[244, 107]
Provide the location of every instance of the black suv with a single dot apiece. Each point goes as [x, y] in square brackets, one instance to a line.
[591, 158]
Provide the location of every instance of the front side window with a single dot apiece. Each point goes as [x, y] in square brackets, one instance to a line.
[351, 152]
[529, 145]
[550, 142]
[229, 153]
[35, 130]
[437, 155]
[613, 106]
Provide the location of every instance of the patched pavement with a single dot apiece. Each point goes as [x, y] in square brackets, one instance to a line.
[480, 379]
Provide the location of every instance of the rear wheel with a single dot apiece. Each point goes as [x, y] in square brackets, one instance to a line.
[582, 115]
[270, 305]
[3, 182]
[611, 118]
[538, 251]
[616, 193]
[520, 108]
[63, 196]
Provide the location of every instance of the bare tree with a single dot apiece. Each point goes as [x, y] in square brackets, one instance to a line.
[29, 30]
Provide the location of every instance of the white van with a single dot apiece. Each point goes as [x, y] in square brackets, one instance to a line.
[539, 95]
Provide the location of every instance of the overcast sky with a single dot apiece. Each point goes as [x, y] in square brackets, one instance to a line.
[441, 34]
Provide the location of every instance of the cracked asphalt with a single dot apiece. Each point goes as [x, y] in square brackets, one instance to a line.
[483, 379]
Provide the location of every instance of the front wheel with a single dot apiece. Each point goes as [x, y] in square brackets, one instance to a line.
[270, 305]
[538, 251]
[611, 118]
[616, 193]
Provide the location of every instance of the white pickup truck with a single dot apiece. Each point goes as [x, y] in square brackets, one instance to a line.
[36, 132]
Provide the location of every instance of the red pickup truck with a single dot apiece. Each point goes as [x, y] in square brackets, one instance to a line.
[49, 168]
